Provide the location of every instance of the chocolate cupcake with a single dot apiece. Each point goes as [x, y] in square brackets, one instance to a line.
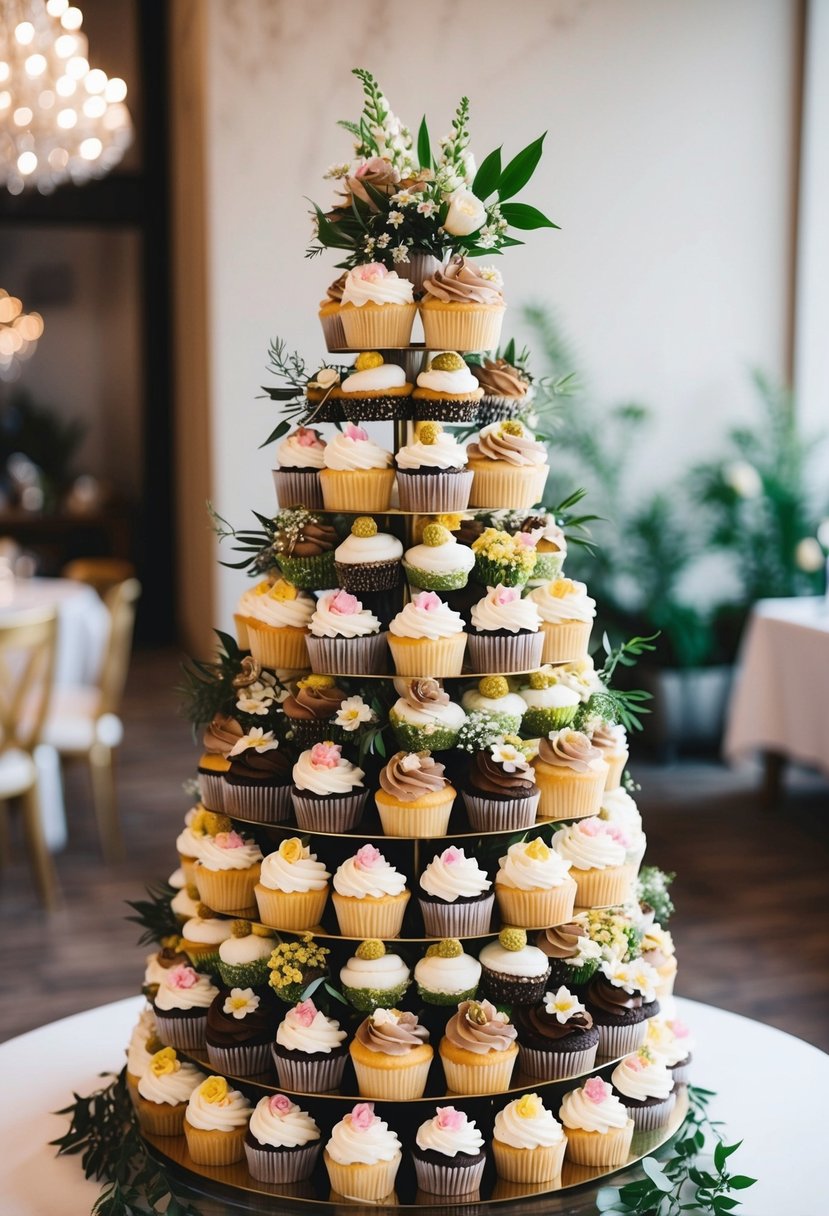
[309, 1051]
[574, 956]
[645, 1088]
[312, 708]
[258, 782]
[299, 458]
[500, 792]
[506, 389]
[240, 1029]
[217, 740]
[455, 896]
[368, 560]
[449, 1154]
[282, 1143]
[303, 546]
[620, 998]
[557, 1038]
[504, 632]
[345, 638]
[328, 792]
[513, 973]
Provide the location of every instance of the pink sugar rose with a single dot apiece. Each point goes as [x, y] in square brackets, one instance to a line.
[367, 856]
[304, 1013]
[506, 595]
[229, 840]
[678, 1028]
[344, 604]
[306, 437]
[370, 272]
[182, 977]
[527, 539]
[356, 433]
[450, 1120]
[278, 1104]
[428, 601]
[591, 827]
[616, 833]
[634, 1063]
[362, 1117]
[451, 856]
[326, 755]
[597, 1090]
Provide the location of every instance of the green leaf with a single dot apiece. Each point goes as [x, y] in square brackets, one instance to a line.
[520, 169]
[509, 352]
[723, 1151]
[488, 175]
[741, 1182]
[424, 147]
[283, 427]
[525, 217]
[723, 1204]
[657, 1175]
[330, 235]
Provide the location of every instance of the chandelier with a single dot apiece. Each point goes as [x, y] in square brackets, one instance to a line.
[19, 332]
[60, 119]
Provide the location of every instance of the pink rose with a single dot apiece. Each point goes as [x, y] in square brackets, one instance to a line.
[377, 172]
[308, 438]
[304, 1013]
[678, 1028]
[344, 604]
[326, 755]
[278, 1104]
[528, 539]
[229, 840]
[451, 856]
[356, 433]
[634, 1063]
[370, 272]
[449, 1120]
[506, 595]
[362, 1117]
[367, 856]
[597, 1090]
[428, 601]
[182, 977]
[616, 833]
[591, 827]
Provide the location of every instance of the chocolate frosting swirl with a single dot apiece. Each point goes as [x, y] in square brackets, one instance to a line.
[220, 736]
[569, 749]
[426, 692]
[314, 704]
[538, 1022]
[478, 1027]
[459, 282]
[312, 539]
[335, 291]
[499, 379]
[392, 1038]
[487, 776]
[469, 531]
[606, 736]
[495, 443]
[271, 766]
[607, 998]
[562, 941]
[410, 775]
[259, 1026]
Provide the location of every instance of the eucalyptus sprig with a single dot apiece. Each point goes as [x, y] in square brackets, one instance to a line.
[154, 914]
[207, 688]
[618, 705]
[292, 374]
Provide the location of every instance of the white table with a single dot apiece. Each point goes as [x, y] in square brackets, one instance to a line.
[771, 1092]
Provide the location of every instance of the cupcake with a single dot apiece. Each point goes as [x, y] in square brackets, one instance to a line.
[191, 838]
[504, 632]
[163, 1091]
[462, 307]
[258, 781]
[276, 621]
[345, 637]
[239, 1030]
[431, 472]
[557, 1037]
[478, 1051]
[510, 467]
[507, 390]
[282, 1142]
[217, 740]
[415, 798]
[180, 1007]
[513, 973]
[202, 936]
[299, 458]
[645, 1088]
[528, 1143]
[312, 710]
[439, 563]
[358, 475]
[373, 978]
[549, 703]
[319, 393]
[427, 637]
[369, 895]
[533, 886]
[446, 390]
[227, 872]
[571, 775]
[550, 546]
[567, 614]
[620, 811]
[500, 793]
[573, 955]
[391, 1056]
[670, 1040]
[595, 852]
[657, 949]
[329, 315]
[309, 1051]
[611, 740]
[455, 896]
[185, 903]
[160, 961]
[362, 1156]
[502, 560]
[294, 965]
[142, 1046]
[620, 998]
[377, 308]
[303, 547]
[423, 717]
[446, 975]
[368, 560]
[597, 1126]
[328, 791]
[492, 696]
[375, 390]
[449, 1155]
[243, 957]
[215, 1123]
[293, 887]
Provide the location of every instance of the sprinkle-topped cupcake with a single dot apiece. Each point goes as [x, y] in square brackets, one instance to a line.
[243, 957]
[369, 895]
[438, 563]
[557, 1037]
[358, 475]
[449, 1154]
[299, 458]
[374, 391]
[478, 1051]
[431, 472]
[446, 390]
[368, 560]
[510, 467]
[427, 636]
[456, 895]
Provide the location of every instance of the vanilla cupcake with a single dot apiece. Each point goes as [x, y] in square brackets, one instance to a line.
[455, 896]
[611, 740]
[438, 563]
[598, 1128]
[282, 1142]
[492, 696]
[374, 978]
[670, 1040]
[163, 1091]
[447, 975]
[463, 307]
[309, 1051]
[362, 1156]
[299, 458]
[510, 467]
[215, 1123]
[391, 1055]
[657, 949]
[358, 475]
[620, 811]
[446, 390]
[415, 798]
[369, 895]
[139, 1055]
[344, 637]
[505, 632]
[191, 838]
[571, 775]
[478, 1051]
[328, 792]
[597, 857]
[293, 887]
[276, 618]
[423, 717]
[528, 1142]
[449, 1154]
[427, 638]
[377, 308]
[180, 1006]
[533, 886]
[431, 472]
[567, 613]
[368, 560]
[374, 391]
[227, 873]
[646, 1089]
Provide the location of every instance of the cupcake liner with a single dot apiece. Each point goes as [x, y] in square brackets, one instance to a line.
[297, 488]
[159, 1118]
[566, 642]
[597, 1148]
[369, 917]
[616, 764]
[339, 814]
[402, 1083]
[280, 1166]
[556, 1065]
[457, 919]
[602, 888]
[537, 721]
[215, 1147]
[504, 487]
[261, 802]
[378, 326]
[541, 1164]
[211, 791]
[334, 336]
[348, 656]
[306, 1075]
[361, 578]
[620, 1040]
[379, 408]
[308, 731]
[421, 823]
[504, 989]
[185, 1034]
[681, 1072]
[490, 573]
[437, 658]
[494, 408]
[536, 908]
[444, 409]
[566, 794]
[419, 739]
[430, 493]
[572, 977]
[358, 491]
[322, 407]
[246, 1060]
[203, 958]
[244, 975]
[515, 652]
[309, 573]
[652, 1117]
[292, 911]
[277, 646]
[366, 1000]
[461, 326]
[370, 1183]
[228, 890]
[428, 580]
[500, 814]
[420, 266]
[448, 1179]
[489, 1075]
[241, 624]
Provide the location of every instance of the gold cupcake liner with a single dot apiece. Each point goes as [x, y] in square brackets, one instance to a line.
[360, 490]
[616, 764]
[403, 1083]
[542, 1164]
[499, 485]
[290, 910]
[357, 1181]
[241, 623]
[603, 888]
[228, 890]
[215, 1147]
[565, 642]
[381, 326]
[490, 1075]
[568, 795]
[188, 868]
[424, 822]
[462, 326]
[536, 908]
[369, 917]
[425, 657]
[277, 645]
[599, 1148]
[159, 1118]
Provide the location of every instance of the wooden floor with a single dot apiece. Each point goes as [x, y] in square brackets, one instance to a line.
[751, 926]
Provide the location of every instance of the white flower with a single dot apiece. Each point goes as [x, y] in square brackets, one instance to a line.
[428, 207]
[743, 479]
[241, 1002]
[385, 1017]
[643, 978]
[337, 170]
[487, 241]
[368, 244]
[325, 377]
[563, 1004]
[395, 219]
[258, 697]
[352, 712]
[492, 275]
[618, 973]
[808, 555]
[400, 253]
[510, 757]
[403, 198]
[383, 240]
[469, 166]
[256, 738]
[466, 213]
[588, 951]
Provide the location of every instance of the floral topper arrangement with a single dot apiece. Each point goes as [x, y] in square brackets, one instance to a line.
[397, 198]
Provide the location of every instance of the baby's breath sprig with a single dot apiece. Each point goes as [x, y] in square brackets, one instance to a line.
[481, 730]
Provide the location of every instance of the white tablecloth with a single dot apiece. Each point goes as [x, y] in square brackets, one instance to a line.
[771, 1092]
[780, 701]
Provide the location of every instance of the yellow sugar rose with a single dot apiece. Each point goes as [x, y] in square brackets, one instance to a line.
[538, 850]
[164, 1062]
[529, 1106]
[214, 1090]
[291, 849]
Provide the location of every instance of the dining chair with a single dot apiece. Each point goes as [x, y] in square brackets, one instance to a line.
[27, 666]
[102, 573]
[84, 722]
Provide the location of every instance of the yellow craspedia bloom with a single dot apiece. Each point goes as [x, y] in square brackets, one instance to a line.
[427, 432]
[164, 1062]
[538, 850]
[449, 521]
[316, 682]
[364, 526]
[368, 359]
[512, 427]
[529, 1106]
[214, 1090]
[493, 687]
[448, 361]
[291, 849]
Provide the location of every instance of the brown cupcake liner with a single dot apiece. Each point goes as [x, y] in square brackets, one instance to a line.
[278, 1166]
[309, 1076]
[185, 1034]
[448, 1179]
[501, 815]
[348, 656]
[328, 815]
[262, 802]
[212, 790]
[457, 919]
[431, 493]
[651, 1117]
[297, 489]
[334, 335]
[444, 409]
[556, 1065]
[361, 578]
[245, 1060]
[620, 1040]
[381, 407]
[520, 652]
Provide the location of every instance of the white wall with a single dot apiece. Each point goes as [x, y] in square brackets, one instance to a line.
[667, 165]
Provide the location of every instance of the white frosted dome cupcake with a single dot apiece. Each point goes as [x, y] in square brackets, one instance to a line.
[438, 563]
[513, 972]
[368, 559]
[374, 978]
[447, 975]
[374, 391]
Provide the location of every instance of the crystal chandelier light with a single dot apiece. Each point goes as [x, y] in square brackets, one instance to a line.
[60, 120]
[19, 332]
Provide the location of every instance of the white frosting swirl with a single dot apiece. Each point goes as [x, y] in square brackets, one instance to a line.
[449, 1140]
[639, 1078]
[541, 1130]
[589, 847]
[199, 996]
[153, 971]
[575, 605]
[444, 453]
[353, 1146]
[447, 558]
[664, 1042]
[292, 1128]
[182, 904]
[380, 289]
[451, 875]
[375, 379]
[215, 857]
[306, 874]
[268, 606]
[459, 381]
[382, 547]
[449, 715]
[328, 624]
[343, 778]
[380, 973]
[206, 930]
[619, 808]
[448, 975]
[177, 879]
[223, 1116]
[518, 614]
[554, 697]
[414, 621]
[291, 454]
[524, 872]
[511, 703]
[171, 1088]
[236, 951]
[348, 454]
[579, 1112]
[529, 960]
[323, 1034]
[138, 1058]
[358, 881]
[190, 843]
